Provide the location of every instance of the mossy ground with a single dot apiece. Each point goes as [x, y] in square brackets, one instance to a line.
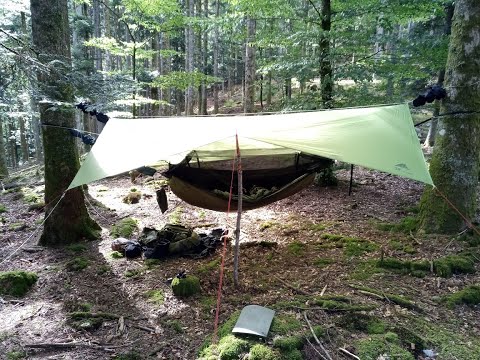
[124, 228]
[185, 287]
[16, 283]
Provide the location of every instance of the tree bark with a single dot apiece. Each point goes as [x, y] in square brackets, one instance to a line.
[97, 32]
[69, 221]
[23, 139]
[432, 130]
[3, 160]
[249, 97]
[189, 56]
[326, 74]
[455, 160]
[215, 58]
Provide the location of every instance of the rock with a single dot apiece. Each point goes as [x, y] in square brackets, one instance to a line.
[188, 286]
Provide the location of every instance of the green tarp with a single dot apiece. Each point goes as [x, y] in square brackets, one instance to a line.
[381, 138]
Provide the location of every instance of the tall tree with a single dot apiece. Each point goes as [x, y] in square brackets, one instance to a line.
[69, 221]
[250, 69]
[326, 76]
[455, 160]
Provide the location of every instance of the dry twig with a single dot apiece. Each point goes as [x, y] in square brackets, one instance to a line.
[316, 338]
[300, 291]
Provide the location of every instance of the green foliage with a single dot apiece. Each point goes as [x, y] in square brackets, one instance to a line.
[16, 355]
[155, 296]
[76, 248]
[133, 273]
[2, 208]
[116, 255]
[376, 345]
[352, 246]
[124, 228]
[454, 264]
[176, 326]
[132, 355]
[262, 352]
[16, 283]
[296, 248]
[283, 325]
[182, 80]
[77, 264]
[469, 295]
[209, 267]
[406, 225]
[267, 225]
[323, 262]
[185, 287]
[289, 343]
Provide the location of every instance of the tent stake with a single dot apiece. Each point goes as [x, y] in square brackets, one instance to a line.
[239, 216]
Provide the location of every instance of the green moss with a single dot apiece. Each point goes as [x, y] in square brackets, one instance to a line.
[103, 269]
[209, 267]
[229, 347]
[132, 198]
[31, 197]
[124, 228]
[283, 325]
[116, 255]
[454, 264]
[176, 326]
[266, 225]
[395, 264]
[397, 299]
[292, 355]
[2, 208]
[406, 225]
[323, 262]
[469, 295]
[332, 237]
[364, 323]
[358, 247]
[365, 270]
[77, 264]
[16, 355]
[262, 352]
[187, 286]
[76, 248]
[374, 346]
[289, 343]
[395, 244]
[317, 227]
[151, 263]
[16, 283]
[155, 296]
[176, 216]
[336, 305]
[133, 273]
[19, 226]
[296, 248]
[132, 355]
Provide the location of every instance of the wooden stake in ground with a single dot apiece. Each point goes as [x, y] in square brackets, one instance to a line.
[239, 216]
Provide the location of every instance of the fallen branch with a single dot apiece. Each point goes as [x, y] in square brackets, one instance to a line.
[318, 352]
[83, 315]
[346, 352]
[300, 291]
[360, 308]
[315, 337]
[157, 349]
[106, 348]
[144, 328]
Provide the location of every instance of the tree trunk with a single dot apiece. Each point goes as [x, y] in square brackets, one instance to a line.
[13, 145]
[97, 32]
[326, 75]
[249, 98]
[69, 221]
[3, 160]
[432, 130]
[215, 58]
[23, 140]
[455, 160]
[190, 50]
[205, 60]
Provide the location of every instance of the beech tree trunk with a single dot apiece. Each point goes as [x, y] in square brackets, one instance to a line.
[69, 221]
[3, 160]
[326, 76]
[215, 58]
[189, 56]
[249, 97]
[23, 139]
[455, 160]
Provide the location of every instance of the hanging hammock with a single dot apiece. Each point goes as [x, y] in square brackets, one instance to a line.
[266, 178]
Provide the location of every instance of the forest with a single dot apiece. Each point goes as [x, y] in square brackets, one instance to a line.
[312, 221]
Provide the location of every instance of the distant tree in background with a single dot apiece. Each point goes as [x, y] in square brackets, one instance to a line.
[455, 160]
[70, 220]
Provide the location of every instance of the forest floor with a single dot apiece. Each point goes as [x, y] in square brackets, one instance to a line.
[289, 260]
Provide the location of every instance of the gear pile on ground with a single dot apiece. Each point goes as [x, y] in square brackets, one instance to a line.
[171, 240]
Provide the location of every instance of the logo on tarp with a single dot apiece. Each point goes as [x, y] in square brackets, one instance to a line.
[402, 167]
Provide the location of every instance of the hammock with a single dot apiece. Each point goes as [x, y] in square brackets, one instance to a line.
[266, 179]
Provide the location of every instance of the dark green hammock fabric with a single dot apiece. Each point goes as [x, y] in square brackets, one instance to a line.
[266, 179]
